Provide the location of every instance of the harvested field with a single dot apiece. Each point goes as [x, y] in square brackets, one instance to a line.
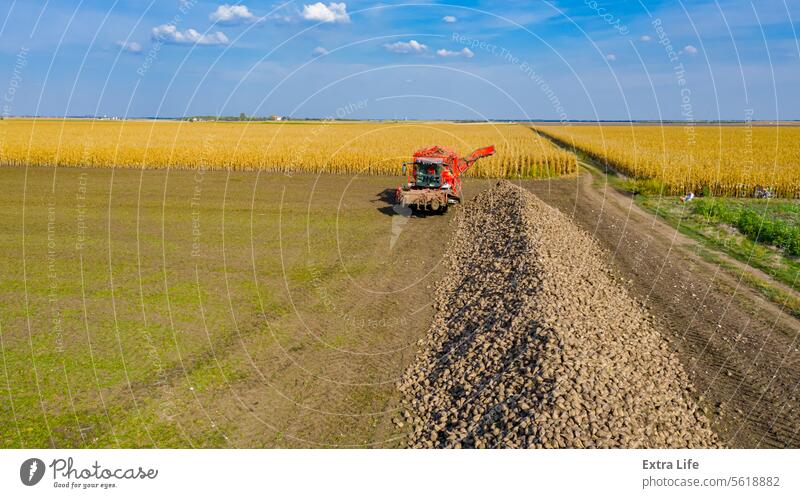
[292, 322]
[534, 345]
[210, 309]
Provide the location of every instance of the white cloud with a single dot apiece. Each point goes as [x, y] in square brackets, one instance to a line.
[232, 14]
[690, 49]
[171, 34]
[449, 19]
[130, 46]
[333, 12]
[611, 57]
[645, 38]
[409, 47]
[465, 52]
[320, 51]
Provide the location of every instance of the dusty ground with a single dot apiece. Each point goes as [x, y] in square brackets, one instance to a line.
[740, 351]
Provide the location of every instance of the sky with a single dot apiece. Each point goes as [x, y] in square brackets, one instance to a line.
[475, 60]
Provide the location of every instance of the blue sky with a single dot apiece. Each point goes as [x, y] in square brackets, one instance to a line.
[578, 59]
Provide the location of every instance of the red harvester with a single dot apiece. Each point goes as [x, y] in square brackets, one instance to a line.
[434, 178]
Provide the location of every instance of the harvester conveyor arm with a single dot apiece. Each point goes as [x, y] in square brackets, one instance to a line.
[467, 162]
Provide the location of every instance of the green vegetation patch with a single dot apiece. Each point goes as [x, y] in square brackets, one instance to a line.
[759, 233]
[777, 225]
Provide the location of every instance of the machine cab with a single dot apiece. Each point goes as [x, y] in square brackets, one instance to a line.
[428, 172]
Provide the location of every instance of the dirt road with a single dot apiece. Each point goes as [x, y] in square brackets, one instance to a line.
[740, 351]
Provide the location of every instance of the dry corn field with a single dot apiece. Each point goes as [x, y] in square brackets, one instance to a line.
[720, 160]
[363, 148]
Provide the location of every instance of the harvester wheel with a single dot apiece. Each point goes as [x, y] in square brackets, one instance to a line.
[435, 205]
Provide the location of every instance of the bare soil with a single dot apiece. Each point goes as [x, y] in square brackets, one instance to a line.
[207, 309]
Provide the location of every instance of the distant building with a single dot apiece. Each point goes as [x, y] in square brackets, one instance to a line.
[276, 118]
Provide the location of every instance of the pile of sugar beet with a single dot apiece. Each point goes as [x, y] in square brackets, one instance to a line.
[534, 345]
